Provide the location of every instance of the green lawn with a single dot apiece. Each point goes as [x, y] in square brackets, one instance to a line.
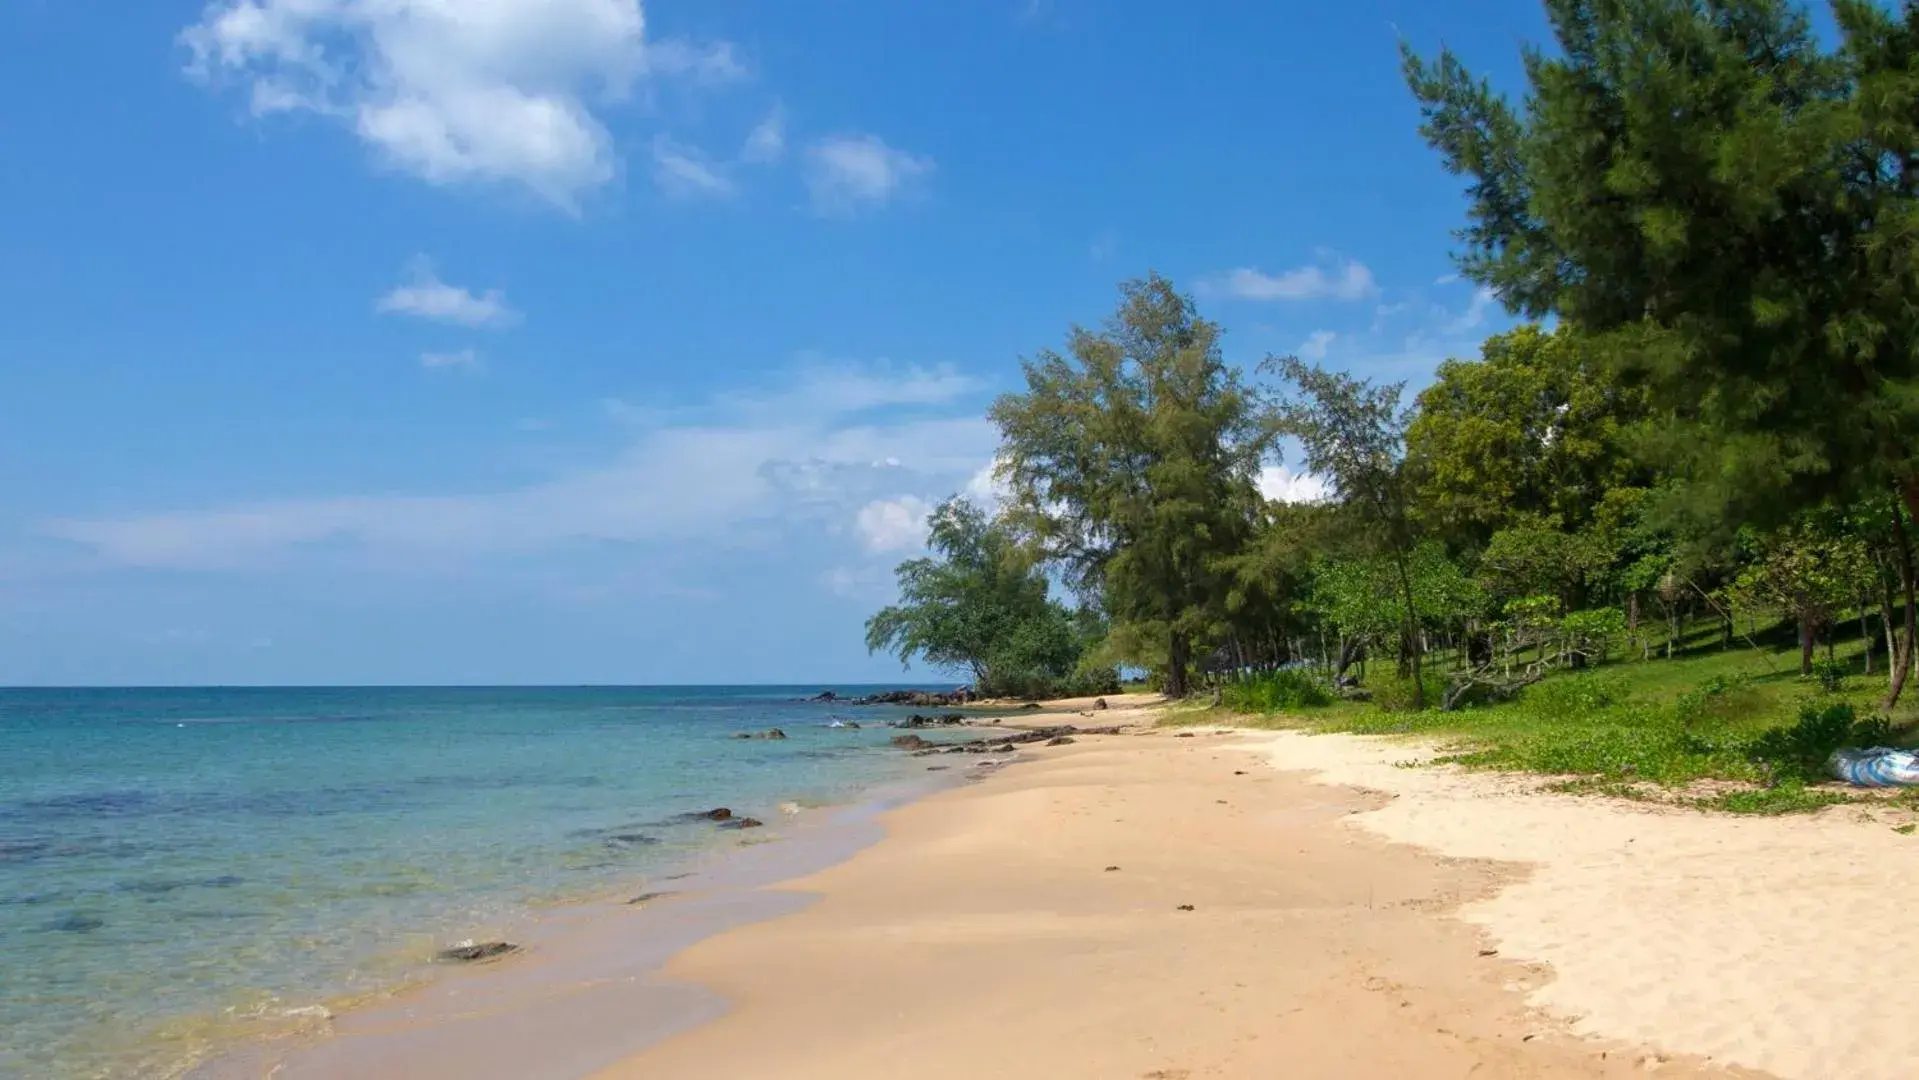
[1728, 729]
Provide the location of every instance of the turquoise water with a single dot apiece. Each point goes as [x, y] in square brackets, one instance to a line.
[182, 867]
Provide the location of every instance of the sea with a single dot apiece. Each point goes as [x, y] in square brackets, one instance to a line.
[184, 868]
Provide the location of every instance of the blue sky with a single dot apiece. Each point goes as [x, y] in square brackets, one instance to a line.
[557, 341]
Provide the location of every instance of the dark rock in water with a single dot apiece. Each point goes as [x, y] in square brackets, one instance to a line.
[76, 924]
[826, 695]
[483, 950]
[646, 896]
[718, 813]
[910, 742]
[1032, 706]
[1060, 740]
[1099, 703]
[769, 733]
[630, 838]
[743, 823]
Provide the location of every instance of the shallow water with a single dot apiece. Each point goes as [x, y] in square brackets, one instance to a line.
[179, 868]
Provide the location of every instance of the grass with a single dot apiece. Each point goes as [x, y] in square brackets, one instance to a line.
[1732, 730]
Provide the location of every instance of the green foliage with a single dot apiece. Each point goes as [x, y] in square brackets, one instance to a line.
[980, 607]
[1396, 694]
[1131, 458]
[1535, 430]
[1802, 750]
[1276, 691]
[1829, 674]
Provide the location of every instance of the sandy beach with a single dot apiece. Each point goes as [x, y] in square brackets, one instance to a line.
[1208, 903]
[1146, 905]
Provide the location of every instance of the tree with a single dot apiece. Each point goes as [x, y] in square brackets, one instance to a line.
[1727, 211]
[1537, 427]
[1354, 435]
[980, 607]
[1811, 570]
[1131, 459]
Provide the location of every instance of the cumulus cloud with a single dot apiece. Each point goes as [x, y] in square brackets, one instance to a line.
[1348, 281]
[1281, 484]
[1315, 346]
[686, 173]
[451, 90]
[985, 488]
[425, 296]
[893, 524]
[712, 474]
[845, 173]
[766, 143]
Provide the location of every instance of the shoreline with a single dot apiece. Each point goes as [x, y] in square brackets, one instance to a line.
[1349, 916]
[439, 1021]
[1102, 911]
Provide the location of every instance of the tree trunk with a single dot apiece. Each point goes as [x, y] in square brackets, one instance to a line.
[1902, 661]
[1632, 619]
[1178, 657]
[1409, 632]
[1805, 645]
[1865, 637]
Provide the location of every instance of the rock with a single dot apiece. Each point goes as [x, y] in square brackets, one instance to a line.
[769, 733]
[1184, 735]
[937, 768]
[910, 742]
[646, 896]
[469, 951]
[718, 813]
[743, 823]
[1110, 869]
[630, 838]
[826, 695]
[1032, 706]
[1186, 907]
[1355, 693]
[851, 725]
[1060, 740]
[1099, 703]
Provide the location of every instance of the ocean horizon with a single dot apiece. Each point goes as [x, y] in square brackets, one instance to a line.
[183, 868]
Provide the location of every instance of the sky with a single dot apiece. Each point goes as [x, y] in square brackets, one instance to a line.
[628, 341]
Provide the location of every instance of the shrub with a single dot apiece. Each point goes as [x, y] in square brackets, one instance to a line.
[1274, 691]
[1396, 694]
[1829, 674]
[1801, 751]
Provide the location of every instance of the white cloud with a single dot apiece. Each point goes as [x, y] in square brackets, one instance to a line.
[810, 455]
[1281, 484]
[893, 524]
[1348, 281]
[1482, 302]
[712, 64]
[451, 90]
[985, 488]
[1315, 345]
[846, 172]
[766, 143]
[684, 172]
[425, 296]
[463, 360]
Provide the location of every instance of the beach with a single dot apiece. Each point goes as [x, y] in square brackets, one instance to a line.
[1161, 903]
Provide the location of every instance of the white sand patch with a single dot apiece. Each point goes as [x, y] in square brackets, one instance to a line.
[1782, 944]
